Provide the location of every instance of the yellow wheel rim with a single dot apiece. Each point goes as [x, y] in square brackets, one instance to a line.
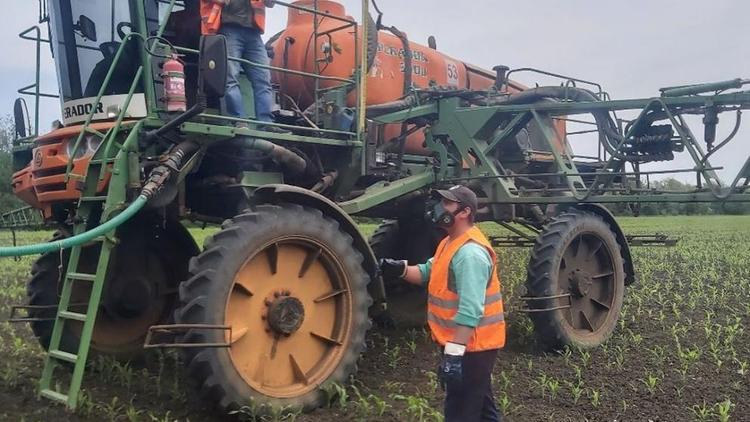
[290, 309]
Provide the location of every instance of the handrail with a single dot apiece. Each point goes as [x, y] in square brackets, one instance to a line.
[35, 85]
[316, 12]
[356, 79]
[277, 69]
[39, 38]
[555, 75]
[280, 125]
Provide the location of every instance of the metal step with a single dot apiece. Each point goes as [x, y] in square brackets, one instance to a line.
[60, 355]
[81, 276]
[93, 198]
[54, 395]
[72, 315]
[100, 161]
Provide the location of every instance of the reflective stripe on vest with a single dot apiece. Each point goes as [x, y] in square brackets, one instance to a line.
[450, 304]
[443, 301]
[211, 16]
[449, 323]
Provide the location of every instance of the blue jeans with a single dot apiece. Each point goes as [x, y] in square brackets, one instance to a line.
[245, 43]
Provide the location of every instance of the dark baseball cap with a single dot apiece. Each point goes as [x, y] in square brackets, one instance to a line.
[460, 194]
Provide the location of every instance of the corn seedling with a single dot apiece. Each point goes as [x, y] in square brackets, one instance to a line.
[337, 395]
[504, 403]
[553, 386]
[394, 356]
[432, 382]
[576, 391]
[418, 408]
[650, 381]
[702, 412]
[743, 367]
[723, 410]
[595, 397]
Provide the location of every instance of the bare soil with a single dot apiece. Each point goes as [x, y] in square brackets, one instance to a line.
[694, 295]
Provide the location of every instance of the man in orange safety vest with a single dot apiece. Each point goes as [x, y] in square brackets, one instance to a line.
[464, 308]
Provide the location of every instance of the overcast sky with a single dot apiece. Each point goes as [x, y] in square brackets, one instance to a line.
[632, 47]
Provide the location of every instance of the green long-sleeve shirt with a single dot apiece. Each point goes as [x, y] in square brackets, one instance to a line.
[469, 271]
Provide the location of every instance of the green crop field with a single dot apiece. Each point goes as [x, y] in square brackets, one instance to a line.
[681, 351]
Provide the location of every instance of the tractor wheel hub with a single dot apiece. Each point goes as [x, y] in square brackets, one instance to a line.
[285, 315]
[580, 282]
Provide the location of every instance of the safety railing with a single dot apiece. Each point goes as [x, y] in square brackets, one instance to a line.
[355, 82]
[34, 89]
[21, 218]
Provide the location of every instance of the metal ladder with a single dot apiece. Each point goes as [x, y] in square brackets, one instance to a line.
[90, 203]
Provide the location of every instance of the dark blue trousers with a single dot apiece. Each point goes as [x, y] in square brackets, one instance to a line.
[472, 400]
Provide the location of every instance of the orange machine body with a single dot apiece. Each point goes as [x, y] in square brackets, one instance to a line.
[42, 182]
[335, 54]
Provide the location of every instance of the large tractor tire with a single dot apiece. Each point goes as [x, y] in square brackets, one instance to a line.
[291, 286]
[576, 275]
[413, 240]
[140, 290]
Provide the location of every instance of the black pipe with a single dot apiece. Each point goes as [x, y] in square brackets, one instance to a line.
[288, 159]
[198, 108]
[391, 107]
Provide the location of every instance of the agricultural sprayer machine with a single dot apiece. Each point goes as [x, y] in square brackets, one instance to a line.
[278, 302]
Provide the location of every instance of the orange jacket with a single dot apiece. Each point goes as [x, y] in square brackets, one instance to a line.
[442, 304]
[211, 16]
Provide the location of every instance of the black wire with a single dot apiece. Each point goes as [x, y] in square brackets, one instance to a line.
[307, 51]
[161, 40]
[380, 14]
[731, 136]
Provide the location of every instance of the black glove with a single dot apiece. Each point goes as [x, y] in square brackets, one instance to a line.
[392, 268]
[450, 371]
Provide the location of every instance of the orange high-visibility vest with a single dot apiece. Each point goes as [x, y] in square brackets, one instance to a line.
[442, 304]
[211, 16]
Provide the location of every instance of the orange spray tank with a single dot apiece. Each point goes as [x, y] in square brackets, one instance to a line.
[335, 52]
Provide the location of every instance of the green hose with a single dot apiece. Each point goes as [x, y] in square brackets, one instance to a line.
[79, 239]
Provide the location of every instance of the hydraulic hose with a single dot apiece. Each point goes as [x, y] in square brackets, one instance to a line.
[608, 134]
[288, 159]
[157, 178]
[377, 110]
[79, 239]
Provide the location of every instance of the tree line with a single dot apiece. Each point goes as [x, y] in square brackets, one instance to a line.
[674, 208]
[8, 201]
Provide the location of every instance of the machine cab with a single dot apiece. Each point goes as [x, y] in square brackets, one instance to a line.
[84, 38]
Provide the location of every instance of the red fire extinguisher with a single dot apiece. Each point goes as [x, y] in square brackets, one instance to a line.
[173, 75]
